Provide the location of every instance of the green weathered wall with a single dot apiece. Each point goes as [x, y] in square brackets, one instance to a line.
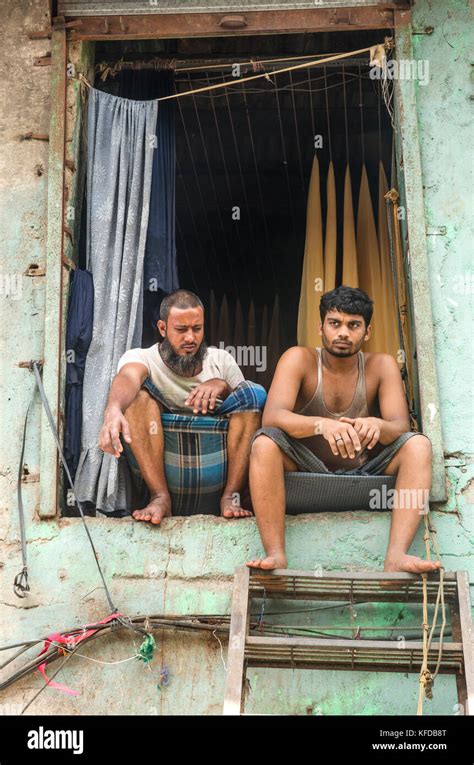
[186, 566]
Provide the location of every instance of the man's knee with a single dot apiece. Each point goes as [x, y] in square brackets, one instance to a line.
[416, 448]
[264, 447]
[142, 401]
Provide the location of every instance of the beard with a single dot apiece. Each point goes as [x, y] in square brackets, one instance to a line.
[188, 365]
[350, 350]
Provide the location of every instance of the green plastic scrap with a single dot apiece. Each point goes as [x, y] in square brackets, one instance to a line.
[147, 649]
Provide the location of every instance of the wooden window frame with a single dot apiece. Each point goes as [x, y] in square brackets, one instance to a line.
[209, 25]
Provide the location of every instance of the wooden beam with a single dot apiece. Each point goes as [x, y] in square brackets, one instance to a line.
[466, 636]
[408, 148]
[49, 465]
[239, 623]
[161, 26]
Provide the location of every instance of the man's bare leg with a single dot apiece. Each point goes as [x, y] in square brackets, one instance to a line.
[267, 487]
[412, 466]
[144, 418]
[242, 426]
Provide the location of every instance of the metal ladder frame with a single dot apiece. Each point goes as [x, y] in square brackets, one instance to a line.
[362, 655]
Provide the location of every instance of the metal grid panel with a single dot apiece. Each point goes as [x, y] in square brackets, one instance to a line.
[143, 7]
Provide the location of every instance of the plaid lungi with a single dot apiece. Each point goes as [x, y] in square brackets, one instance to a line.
[195, 451]
[315, 488]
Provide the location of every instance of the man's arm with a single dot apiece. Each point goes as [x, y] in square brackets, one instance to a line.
[283, 393]
[281, 402]
[395, 418]
[123, 392]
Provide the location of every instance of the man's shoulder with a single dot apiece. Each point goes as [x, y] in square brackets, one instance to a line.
[381, 365]
[219, 355]
[140, 354]
[380, 360]
[297, 354]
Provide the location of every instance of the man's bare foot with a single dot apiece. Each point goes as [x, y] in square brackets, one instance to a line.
[411, 564]
[231, 507]
[158, 508]
[278, 560]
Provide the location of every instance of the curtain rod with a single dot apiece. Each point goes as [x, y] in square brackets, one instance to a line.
[386, 45]
[204, 65]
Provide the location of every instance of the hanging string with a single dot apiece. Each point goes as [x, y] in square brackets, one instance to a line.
[186, 255]
[379, 122]
[345, 111]
[190, 208]
[311, 108]
[361, 117]
[224, 164]
[213, 185]
[259, 186]
[295, 118]
[285, 164]
[242, 180]
[226, 83]
[198, 184]
[327, 114]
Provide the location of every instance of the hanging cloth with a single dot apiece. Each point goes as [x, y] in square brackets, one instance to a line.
[392, 340]
[273, 341]
[349, 248]
[263, 376]
[368, 265]
[213, 319]
[160, 267]
[224, 334]
[251, 372]
[119, 170]
[313, 265]
[239, 330]
[330, 242]
[78, 339]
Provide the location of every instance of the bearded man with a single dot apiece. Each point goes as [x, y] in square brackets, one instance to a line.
[181, 375]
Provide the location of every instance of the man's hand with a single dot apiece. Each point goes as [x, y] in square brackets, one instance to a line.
[204, 395]
[114, 424]
[367, 428]
[341, 436]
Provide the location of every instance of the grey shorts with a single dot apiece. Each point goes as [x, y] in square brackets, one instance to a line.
[307, 462]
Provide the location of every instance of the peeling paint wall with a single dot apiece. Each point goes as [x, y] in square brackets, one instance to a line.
[186, 566]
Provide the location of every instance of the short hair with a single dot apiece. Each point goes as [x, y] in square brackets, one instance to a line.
[179, 299]
[347, 300]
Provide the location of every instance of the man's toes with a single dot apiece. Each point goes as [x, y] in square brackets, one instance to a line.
[254, 563]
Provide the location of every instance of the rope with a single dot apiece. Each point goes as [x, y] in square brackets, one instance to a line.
[34, 365]
[426, 679]
[21, 585]
[305, 64]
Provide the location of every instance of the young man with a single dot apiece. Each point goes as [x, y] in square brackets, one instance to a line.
[338, 409]
[181, 375]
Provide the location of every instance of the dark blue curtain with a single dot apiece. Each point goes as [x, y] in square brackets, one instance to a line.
[78, 340]
[160, 274]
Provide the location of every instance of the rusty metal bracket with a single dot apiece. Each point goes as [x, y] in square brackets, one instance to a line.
[68, 262]
[33, 137]
[60, 23]
[41, 34]
[34, 270]
[233, 22]
[29, 364]
[425, 31]
[27, 477]
[42, 60]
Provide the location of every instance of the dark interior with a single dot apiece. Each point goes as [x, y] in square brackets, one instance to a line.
[251, 147]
